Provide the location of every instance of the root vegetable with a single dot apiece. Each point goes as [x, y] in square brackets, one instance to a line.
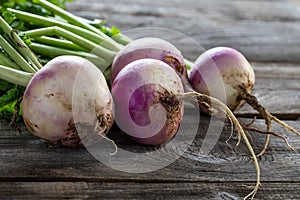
[149, 47]
[147, 108]
[224, 68]
[48, 104]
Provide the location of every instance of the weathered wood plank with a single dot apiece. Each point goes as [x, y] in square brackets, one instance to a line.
[262, 30]
[215, 9]
[24, 159]
[277, 88]
[125, 190]
[265, 31]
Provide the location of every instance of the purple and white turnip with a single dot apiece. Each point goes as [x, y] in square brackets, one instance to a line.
[225, 69]
[147, 107]
[53, 108]
[150, 47]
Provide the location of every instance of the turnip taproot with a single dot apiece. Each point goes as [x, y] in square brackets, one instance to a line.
[235, 75]
[234, 72]
[150, 47]
[147, 108]
[48, 108]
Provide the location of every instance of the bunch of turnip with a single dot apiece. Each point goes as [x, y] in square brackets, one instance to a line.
[148, 78]
[68, 101]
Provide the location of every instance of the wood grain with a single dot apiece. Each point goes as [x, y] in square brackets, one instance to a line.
[126, 190]
[43, 170]
[277, 88]
[33, 159]
[265, 31]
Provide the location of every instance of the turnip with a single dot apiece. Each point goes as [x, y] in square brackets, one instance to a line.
[66, 101]
[48, 105]
[150, 47]
[146, 104]
[148, 97]
[224, 68]
[159, 49]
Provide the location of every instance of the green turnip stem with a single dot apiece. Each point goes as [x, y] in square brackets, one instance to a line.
[47, 22]
[21, 46]
[58, 43]
[88, 45]
[14, 76]
[4, 60]
[121, 39]
[76, 21]
[51, 51]
[87, 34]
[15, 56]
[124, 40]
[97, 23]
[189, 64]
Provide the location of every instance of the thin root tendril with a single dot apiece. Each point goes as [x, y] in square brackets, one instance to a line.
[218, 105]
[253, 101]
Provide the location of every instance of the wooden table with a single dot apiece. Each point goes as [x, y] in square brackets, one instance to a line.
[266, 32]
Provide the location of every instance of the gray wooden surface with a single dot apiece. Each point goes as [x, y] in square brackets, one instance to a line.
[267, 32]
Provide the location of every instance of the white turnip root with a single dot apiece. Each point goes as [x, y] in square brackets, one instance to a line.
[235, 76]
[48, 104]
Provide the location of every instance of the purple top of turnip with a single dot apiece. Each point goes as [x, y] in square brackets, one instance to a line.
[221, 72]
[154, 48]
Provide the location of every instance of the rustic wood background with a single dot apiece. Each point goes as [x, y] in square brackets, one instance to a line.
[266, 31]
